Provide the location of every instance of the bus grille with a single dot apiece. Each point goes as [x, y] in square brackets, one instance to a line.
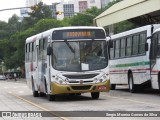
[86, 87]
[82, 76]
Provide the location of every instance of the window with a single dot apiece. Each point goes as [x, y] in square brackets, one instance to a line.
[112, 51]
[135, 45]
[40, 48]
[153, 47]
[158, 45]
[128, 46]
[26, 52]
[123, 45]
[117, 47]
[30, 53]
[142, 41]
[34, 51]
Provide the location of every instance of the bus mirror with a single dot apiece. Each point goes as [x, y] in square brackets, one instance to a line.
[110, 44]
[146, 46]
[49, 51]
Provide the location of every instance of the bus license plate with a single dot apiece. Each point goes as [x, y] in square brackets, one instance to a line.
[102, 87]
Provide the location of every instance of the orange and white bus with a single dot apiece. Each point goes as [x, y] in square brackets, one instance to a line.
[70, 60]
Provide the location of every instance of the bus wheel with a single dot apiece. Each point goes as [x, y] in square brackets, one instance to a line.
[41, 94]
[113, 86]
[95, 95]
[35, 93]
[78, 93]
[132, 87]
[51, 97]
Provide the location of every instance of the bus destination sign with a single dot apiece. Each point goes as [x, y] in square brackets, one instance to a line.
[78, 34]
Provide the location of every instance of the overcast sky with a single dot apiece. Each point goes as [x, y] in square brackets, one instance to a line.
[4, 15]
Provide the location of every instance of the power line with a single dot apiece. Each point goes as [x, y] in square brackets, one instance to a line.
[13, 8]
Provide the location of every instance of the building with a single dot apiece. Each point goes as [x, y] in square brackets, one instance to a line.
[30, 3]
[24, 11]
[72, 7]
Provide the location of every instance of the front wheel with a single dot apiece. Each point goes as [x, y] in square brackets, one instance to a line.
[132, 87]
[35, 93]
[51, 97]
[113, 86]
[95, 95]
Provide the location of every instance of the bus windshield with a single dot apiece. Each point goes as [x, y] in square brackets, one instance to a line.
[79, 55]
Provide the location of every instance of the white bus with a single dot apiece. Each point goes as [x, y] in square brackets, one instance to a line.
[130, 61]
[155, 59]
[70, 60]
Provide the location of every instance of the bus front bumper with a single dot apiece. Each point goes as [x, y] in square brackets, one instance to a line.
[80, 88]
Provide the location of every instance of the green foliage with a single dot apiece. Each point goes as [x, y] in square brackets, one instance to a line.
[85, 18]
[110, 4]
[123, 26]
[66, 22]
[45, 24]
[38, 12]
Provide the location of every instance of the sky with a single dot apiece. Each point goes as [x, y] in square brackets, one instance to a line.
[4, 4]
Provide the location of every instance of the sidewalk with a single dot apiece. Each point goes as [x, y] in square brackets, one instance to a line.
[17, 80]
[12, 105]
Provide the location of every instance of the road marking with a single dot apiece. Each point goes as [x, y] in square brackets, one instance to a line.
[42, 108]
[136, 101]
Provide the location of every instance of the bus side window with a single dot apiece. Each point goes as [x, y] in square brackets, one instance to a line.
[142, 42]
[45, 41]
[153, 50]
[26, 52]
[135, 45]
[117, 47]
[129, 46]
[112, 51]
[158, 45]
[123, 46]
[40, 49]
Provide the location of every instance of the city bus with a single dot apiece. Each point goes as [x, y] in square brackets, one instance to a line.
[131, 58]
[67, 60]
[155, 59]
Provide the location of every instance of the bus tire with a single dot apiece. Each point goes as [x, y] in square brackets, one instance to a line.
[35, 93]
[132, 87]
[95, 95]
[113, 86]
[78, 94]
[51, 97]
[42, 94]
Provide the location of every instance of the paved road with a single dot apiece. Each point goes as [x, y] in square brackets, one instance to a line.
[17, 96]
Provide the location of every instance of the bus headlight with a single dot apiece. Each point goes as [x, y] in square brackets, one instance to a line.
[59, 80]
[103, 78]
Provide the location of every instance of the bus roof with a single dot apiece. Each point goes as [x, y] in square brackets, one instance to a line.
[49, 32]
[156, 30]
[136, 30]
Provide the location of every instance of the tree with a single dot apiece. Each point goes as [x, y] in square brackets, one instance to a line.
[85, 18]
[3, 30]
[45, 24]
[38, 12]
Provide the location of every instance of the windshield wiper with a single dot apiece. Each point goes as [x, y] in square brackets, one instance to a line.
[70, 47]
